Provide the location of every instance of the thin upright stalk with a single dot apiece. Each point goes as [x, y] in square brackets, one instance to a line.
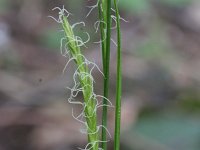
[103, 43]
[107, 71]
[119, 83]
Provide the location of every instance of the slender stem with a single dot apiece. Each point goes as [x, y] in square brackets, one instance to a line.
[103, 44]
[107, 72]
[119, 84]
[104, 5]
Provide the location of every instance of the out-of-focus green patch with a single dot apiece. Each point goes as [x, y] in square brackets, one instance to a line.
[51, 39]
[3, 5]
[152, 48]
[139, 6]
[134, 5]
[175, 130]
[189, 101]
[10, 61]
[156, 44]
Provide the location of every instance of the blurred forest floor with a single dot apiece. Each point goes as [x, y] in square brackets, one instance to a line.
[161, 75]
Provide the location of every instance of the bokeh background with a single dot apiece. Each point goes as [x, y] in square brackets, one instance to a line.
[161, 75]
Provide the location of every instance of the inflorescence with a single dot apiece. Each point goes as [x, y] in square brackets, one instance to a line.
[83, 79]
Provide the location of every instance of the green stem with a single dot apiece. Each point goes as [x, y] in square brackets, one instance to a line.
[107, 72]
[119, 84]
[103, 44]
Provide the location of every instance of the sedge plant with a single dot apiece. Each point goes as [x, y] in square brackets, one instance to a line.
[70, 47]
